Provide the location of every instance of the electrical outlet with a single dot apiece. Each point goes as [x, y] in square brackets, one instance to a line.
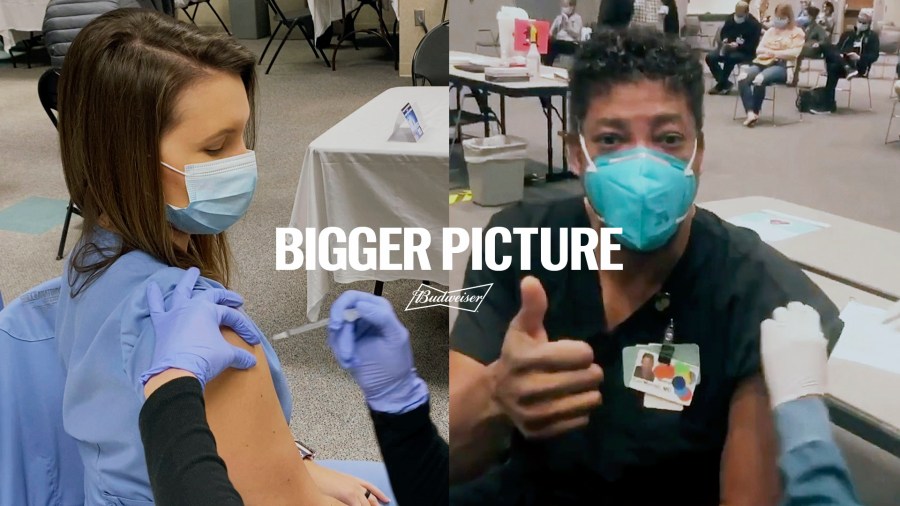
[420, 17]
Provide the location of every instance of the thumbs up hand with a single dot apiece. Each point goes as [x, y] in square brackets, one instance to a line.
[544, 388]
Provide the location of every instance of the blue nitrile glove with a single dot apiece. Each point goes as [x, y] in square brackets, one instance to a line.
[188, 335]
[375, 350]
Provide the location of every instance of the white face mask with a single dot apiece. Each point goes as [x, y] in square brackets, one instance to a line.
[861, 27]
[568, 11]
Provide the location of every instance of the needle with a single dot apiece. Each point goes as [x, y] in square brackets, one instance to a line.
[350, 315]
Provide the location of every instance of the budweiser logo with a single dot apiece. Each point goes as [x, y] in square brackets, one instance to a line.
[465, 299]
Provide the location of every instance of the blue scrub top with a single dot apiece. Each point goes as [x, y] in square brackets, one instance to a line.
[106, 341]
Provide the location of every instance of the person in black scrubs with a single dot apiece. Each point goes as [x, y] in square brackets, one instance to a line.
[615, 13]
[190, 350]
[541, 411]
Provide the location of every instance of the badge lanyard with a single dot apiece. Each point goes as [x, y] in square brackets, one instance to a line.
[663, 302]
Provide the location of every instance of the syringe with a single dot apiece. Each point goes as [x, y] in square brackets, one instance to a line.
[350, 315]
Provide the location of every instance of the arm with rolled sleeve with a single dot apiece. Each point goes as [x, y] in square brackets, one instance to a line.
[182, 460]
[811, 465]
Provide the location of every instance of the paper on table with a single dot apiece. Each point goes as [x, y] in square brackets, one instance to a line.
[776, 226]
[866, 340]
[554, 73]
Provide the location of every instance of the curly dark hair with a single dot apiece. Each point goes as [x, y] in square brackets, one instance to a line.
[614, 57]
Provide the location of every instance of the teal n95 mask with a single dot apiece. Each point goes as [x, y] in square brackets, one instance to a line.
[220, 192]
[644, 192]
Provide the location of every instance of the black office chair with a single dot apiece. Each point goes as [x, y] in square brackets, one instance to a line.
[430, 67]
[47, 86]
[429, 63]
[34, 41]
[196, 4]
[301, 19]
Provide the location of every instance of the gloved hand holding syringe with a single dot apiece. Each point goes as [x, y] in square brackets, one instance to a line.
[350, 315]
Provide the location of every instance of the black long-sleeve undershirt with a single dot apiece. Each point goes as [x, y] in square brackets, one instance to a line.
[416, 457]
[185, 468]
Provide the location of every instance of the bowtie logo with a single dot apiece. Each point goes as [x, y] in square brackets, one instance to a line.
[465, 299]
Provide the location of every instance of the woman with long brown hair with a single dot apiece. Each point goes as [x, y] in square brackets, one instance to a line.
[156, 138]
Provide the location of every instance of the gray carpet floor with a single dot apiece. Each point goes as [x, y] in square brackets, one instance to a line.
[299, 100]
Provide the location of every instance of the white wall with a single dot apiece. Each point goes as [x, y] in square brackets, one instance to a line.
[410, 33]
[892, 11]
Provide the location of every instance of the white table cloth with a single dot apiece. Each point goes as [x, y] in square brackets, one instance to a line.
[354, 176]
[326, 11]
[21, 15]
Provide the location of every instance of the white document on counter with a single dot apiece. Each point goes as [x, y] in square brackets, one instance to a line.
[866, 340]
[776, 226]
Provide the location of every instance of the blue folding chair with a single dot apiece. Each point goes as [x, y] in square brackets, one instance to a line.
[373, 472]
[39, 462]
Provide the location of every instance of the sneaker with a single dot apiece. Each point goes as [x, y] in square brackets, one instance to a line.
[851, 73]
[727, 89]
[820, 111]
[715, 90]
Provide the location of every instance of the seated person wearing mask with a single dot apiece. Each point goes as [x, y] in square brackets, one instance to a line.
[853, 55]
[180, 449]
[565, 32]
[805, 17]
[157, 200]
[615, 14]
[779, 45]
[816, 37]
[540, 411]
[795, 360]
[740, 36]
[826, 19]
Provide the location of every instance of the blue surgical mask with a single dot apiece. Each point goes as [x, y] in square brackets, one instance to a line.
[780, 22]
[644, 192]
[220, 192]
[739, 19]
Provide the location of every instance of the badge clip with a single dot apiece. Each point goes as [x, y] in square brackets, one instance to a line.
[668, 345]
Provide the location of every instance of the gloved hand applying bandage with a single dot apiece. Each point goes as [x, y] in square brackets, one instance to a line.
[794, 353]
[375, 350]
[188, 336]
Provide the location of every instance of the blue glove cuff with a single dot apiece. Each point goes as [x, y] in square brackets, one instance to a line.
[403, 398]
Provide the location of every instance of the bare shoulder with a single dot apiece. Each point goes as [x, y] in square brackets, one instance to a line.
[252, 436]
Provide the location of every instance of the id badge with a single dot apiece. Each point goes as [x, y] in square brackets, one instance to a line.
[650, 401]
[654, 402]
[673, 382]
